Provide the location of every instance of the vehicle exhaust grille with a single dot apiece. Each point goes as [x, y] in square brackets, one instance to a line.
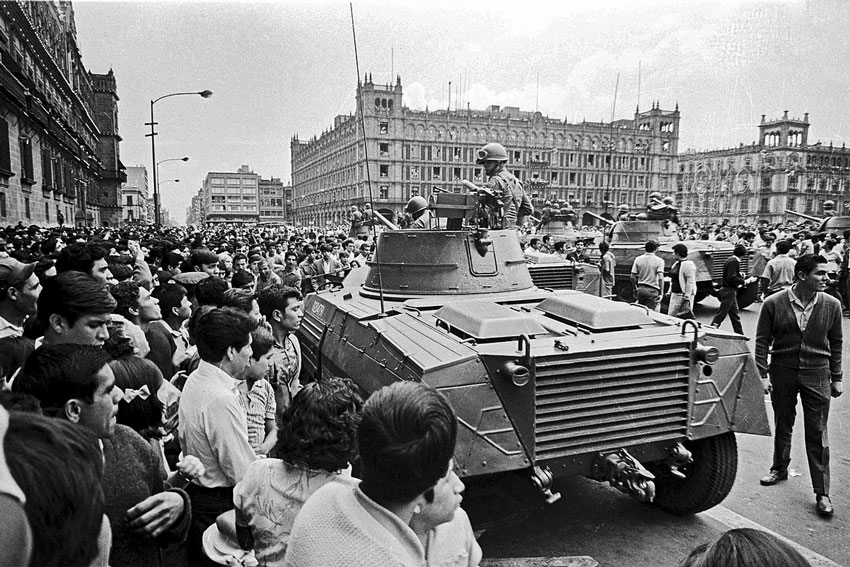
[719, 257]
[552, 277]
[610, 399]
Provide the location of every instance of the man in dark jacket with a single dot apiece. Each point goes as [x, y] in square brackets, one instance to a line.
[801, 328]
[732, 281]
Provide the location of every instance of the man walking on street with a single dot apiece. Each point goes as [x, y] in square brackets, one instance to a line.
[732, 281]
[683, 284]
[801, 328]
[648, 276]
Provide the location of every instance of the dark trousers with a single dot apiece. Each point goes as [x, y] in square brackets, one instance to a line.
[728, 306]
[648, 296]
[207, 505]
[813, 387]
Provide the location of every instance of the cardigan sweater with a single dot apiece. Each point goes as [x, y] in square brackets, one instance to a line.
[340, 525]
[132, 473]
[816, 348]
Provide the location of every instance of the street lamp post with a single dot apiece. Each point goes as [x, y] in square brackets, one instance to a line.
[152, 124]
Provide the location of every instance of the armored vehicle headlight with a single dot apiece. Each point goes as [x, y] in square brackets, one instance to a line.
[707, 354]
[516, 373]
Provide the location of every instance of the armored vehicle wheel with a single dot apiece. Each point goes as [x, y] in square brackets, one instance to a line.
[708, 479]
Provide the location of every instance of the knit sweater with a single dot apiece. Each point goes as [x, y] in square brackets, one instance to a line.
[339, 525]
[132, 473]
[818, 347]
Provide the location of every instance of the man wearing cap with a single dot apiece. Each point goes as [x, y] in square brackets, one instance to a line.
[19, 291]
[505, 199]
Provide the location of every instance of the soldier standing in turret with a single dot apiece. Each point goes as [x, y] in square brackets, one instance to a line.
[505, 200]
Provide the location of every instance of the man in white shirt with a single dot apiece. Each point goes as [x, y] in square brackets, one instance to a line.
[648, 276]
[213, 425]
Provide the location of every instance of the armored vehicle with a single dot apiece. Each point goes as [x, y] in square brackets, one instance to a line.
[827, 224]
[628, 237]
[545, 383]
[548, 271]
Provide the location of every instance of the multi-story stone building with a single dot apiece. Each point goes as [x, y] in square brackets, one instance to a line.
[134, 195]
[759, 181]
[272, 195]
[593, 165]
[59, 157]
[231, 197]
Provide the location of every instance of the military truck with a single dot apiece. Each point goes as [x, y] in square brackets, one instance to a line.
[545, 383]
[628, 237]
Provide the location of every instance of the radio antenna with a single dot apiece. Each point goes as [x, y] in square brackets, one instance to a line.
[366, 160]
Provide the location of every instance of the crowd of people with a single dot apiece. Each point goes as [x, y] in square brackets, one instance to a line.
[158, 414]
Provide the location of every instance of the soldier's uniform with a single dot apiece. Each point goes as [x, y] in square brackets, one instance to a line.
[512, 199]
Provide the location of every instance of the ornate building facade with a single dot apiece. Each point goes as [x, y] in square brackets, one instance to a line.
[783, 170]
[593, 165]
[59, 142]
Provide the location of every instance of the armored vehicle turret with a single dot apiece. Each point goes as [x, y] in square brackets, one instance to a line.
[826, 224]
[545, 383]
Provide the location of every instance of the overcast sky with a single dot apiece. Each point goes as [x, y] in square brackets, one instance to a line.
[284, 68]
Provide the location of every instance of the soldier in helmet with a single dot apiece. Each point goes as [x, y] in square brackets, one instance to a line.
[829, 208]
[504, 197]
[420, 217]
[623, 212]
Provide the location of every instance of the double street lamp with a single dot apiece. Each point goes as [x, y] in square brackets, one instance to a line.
[152, 124]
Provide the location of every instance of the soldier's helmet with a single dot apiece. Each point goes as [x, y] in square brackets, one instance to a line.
[829, 205]
[415, 204]
[492, 152]
[655, 197]
[668, 201]
[624, 207]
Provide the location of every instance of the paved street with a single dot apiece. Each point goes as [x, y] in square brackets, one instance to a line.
[596, 520]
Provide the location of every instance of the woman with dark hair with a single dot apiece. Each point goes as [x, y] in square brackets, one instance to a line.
[13, 352]
[147, 400]
[315, 447]
[745, 547]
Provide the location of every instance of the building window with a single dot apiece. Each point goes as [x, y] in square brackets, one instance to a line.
[5, 150]
[414, 172]
[27, 207]
[384, 170]
[217, 181]
[47, 212]
[384, 192]
[435, 174]
[27, 174]
[384, 127]
[384, 149]
[129, 200]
